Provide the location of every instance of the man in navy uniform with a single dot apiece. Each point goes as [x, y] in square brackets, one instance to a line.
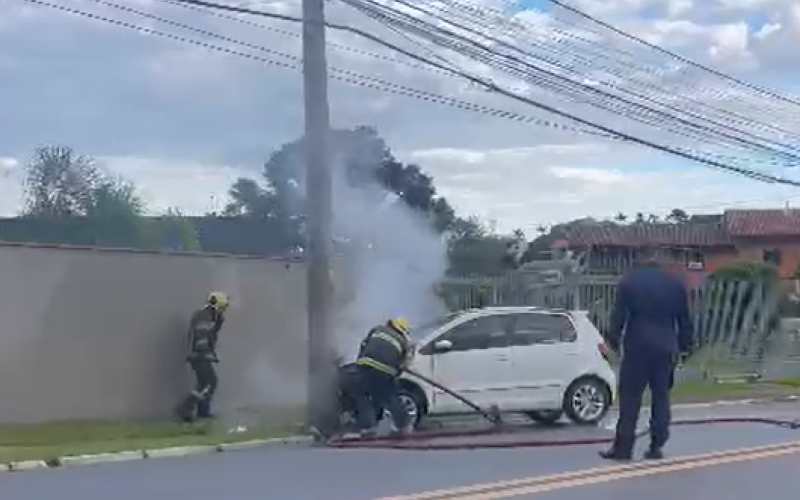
[651, 328]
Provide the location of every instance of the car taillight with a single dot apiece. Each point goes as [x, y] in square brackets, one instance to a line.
[602, 347]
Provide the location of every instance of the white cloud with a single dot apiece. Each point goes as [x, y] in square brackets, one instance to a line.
[526, 187]
[138, 102]
[191, 187]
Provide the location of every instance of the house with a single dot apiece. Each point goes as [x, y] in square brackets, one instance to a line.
[700, 245]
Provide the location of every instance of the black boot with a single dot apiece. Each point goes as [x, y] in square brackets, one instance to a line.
[204, 409]
[620, 450]
[653, 453]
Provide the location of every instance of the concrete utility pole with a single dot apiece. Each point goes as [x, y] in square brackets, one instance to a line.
[321, 369]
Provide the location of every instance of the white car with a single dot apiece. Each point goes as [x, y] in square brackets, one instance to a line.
[543, 363]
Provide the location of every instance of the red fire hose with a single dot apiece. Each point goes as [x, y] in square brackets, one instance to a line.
[428, 440]
[458, 440]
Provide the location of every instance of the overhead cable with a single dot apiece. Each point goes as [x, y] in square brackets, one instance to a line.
[294, 62]
[763, 177]
[546, 78]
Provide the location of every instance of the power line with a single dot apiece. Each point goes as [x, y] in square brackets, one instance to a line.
[279, 31]
[410, 39]
[345, 76]
[493, 87]
[671, 150]
[506, 62]
[591, 55]
[678, 57]
[751, 145]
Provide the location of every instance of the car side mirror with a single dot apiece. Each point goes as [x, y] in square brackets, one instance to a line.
[442, 346]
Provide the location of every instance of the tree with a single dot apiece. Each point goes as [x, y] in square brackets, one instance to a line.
[248, 198]
[59, 182]
[678, 216]
[620, 217]
[363, 157]
[63, 185]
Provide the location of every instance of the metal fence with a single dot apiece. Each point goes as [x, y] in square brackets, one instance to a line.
[737, 322]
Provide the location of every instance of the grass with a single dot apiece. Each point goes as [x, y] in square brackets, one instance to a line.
[49, 441]
[702, 391]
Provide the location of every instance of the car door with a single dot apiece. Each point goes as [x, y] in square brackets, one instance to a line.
[477, 365]
[544, 351]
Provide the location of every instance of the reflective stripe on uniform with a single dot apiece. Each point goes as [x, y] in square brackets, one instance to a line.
[388, 338]
[377, 365]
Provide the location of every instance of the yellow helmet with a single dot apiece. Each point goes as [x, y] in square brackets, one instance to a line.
[218, 301]
[401, 325]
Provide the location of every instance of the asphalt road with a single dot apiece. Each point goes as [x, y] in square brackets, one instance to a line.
[773, 478]
[326, 474]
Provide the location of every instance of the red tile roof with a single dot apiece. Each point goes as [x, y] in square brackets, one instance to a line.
[648, 235]
[763, 223]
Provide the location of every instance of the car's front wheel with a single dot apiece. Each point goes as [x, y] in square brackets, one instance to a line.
[587, 400]
[413, 404]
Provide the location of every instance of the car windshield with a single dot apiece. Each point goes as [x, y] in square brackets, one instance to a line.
[420, 332]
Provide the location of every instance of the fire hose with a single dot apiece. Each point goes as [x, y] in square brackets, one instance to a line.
[436, 440]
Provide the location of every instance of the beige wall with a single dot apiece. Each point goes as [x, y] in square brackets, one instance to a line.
[100, 334]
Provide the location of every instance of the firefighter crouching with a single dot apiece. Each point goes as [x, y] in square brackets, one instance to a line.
[383, 355]
[202, 357]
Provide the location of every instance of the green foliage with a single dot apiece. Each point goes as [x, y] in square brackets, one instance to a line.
[747, 270]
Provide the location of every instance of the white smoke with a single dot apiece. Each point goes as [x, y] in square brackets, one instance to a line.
[391, 261]
[389, 257]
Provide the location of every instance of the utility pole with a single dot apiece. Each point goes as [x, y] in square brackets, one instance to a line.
[321, 365]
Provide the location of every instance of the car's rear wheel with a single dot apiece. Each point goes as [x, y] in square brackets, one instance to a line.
[546, 417]
[587, 400]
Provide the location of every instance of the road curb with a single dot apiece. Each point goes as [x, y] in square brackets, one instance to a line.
[123, 456]
[176, 451]
[790, 398]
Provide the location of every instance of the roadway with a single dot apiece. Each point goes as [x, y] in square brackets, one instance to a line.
[327, 474]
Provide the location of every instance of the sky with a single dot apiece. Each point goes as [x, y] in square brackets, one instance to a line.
[183, 122]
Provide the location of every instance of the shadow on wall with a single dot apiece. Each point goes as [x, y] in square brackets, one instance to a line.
[101, 334]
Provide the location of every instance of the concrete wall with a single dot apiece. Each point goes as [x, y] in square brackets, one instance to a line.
[101, 334]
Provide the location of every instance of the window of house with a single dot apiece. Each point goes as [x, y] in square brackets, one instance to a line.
[772, 256]
[696, 260]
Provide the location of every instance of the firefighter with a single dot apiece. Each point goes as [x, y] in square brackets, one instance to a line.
[383, 355]
[652, 329]
[202, 357]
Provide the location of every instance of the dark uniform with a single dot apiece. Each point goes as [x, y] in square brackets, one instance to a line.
[382, 356]
[651, 328]
[204, 330]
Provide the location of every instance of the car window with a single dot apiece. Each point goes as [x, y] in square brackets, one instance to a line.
[420, 332]
[487, 332]
[537, 328]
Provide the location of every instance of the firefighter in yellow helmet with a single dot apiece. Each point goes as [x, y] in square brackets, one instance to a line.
[202, 357]
[383, 355]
